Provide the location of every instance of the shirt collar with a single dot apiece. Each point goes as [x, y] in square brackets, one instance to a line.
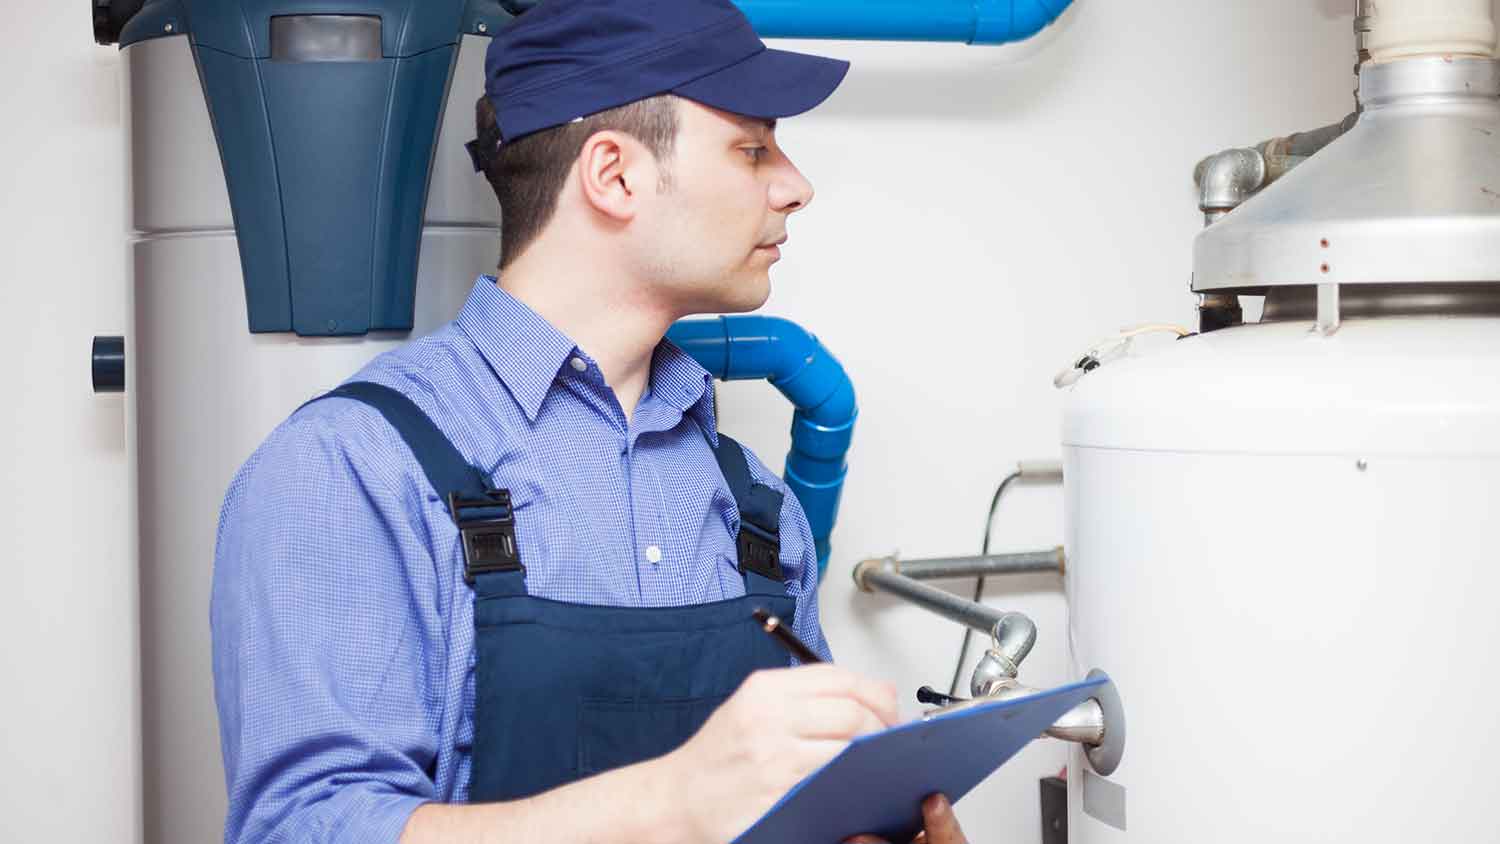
[680, 381]
[526, 352]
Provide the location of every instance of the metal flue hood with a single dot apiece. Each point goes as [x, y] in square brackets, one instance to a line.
[1410, 194]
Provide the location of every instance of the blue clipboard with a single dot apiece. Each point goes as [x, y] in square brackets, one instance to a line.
[878, 783]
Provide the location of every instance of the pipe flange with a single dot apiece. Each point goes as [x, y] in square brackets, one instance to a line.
[1105, 756]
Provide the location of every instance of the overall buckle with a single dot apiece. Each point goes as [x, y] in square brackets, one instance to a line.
[759, 552]
[487, 527]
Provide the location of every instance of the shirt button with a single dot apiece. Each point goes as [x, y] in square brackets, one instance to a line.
[579, 364]
[653, 554]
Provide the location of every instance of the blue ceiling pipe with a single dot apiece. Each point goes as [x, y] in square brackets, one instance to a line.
[752, 347]
[969, 21]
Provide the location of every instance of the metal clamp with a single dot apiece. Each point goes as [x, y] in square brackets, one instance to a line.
[487, 527]
[759, 552]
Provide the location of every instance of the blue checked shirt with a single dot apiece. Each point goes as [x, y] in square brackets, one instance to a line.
[343, 631]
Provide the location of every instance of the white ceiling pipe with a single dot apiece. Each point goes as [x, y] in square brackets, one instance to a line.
[1403, 28]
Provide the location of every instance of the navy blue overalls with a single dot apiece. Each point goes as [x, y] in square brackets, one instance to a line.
[563, 691]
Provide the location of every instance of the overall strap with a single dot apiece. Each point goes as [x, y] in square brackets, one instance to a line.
[482, 513]
[759, 541]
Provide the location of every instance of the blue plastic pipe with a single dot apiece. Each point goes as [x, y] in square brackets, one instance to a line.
[969, 21]
[736, 348]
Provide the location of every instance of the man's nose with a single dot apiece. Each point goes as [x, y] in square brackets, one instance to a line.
[790, 190]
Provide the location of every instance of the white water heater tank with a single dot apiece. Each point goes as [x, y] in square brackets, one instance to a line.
[1282, 540]
[1284, 549]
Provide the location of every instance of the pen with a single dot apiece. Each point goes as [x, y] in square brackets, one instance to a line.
[772, 625]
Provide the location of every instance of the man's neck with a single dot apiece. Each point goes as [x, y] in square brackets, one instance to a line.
[608, 316]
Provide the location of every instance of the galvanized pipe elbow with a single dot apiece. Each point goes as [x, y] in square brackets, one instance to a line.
[1280, 154]
[1013, 636]
[1013, 633]
[1226, 179]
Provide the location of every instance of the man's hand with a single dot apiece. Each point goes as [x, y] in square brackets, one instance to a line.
[780, 726]
[939, 820]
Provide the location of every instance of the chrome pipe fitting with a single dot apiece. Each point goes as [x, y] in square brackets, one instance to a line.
[1012, 634]
[1083, 724]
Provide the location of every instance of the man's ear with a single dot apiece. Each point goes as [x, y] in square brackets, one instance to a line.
[613, 169]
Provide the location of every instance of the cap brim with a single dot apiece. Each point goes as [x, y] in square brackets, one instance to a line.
[769, 84]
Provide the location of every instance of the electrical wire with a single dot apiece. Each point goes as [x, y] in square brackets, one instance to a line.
[1110, 348]
[1151, 327]
[989, 521]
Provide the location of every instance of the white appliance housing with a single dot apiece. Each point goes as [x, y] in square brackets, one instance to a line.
[1282, 547]
[1280, 536]
[204, 391]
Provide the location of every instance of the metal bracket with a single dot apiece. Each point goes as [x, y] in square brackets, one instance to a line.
[1328, 310]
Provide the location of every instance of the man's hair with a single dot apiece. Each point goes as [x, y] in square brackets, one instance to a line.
[528, 173]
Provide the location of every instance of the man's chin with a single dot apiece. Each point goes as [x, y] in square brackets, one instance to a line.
[755, 295]
[742, 296]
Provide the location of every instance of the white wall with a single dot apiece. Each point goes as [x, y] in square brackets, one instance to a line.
[69, 710]
[983, 215]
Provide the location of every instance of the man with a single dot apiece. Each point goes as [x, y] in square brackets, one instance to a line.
[497, 587]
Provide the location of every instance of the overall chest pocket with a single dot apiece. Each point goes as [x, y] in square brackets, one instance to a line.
[615, 733]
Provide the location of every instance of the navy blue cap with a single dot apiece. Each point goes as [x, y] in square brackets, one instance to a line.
[567, 59]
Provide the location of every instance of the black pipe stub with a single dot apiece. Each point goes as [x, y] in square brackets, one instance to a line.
[110, 17]
[109, 364]
[518, 7]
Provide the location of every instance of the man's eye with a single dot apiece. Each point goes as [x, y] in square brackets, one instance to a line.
[756, 153]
